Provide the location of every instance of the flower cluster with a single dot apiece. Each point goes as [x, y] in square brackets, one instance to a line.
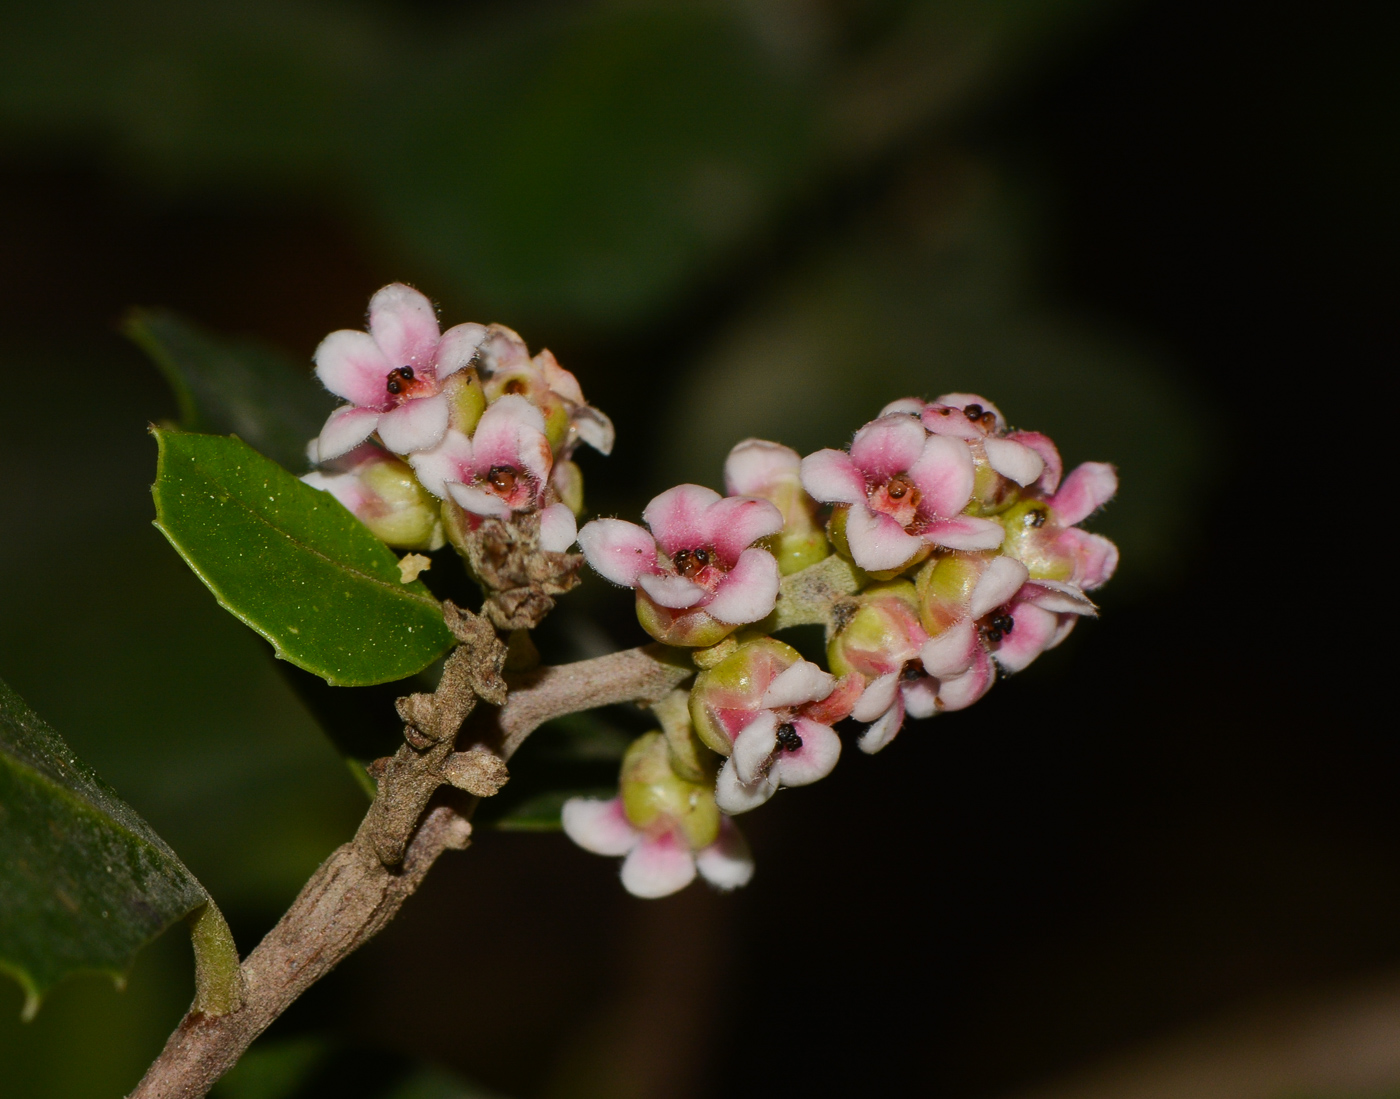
[465, 416]
[938, 550]
[950, 549]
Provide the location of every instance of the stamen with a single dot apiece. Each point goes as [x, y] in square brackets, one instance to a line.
[788, 738]
[691, 562]
[973, 412]
[502, 479]
[899, 487]
[394, 386]
[406, 373]
[911, 672]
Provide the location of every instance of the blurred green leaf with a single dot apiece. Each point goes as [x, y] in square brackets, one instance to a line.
[234, 387]
[541, 813]
[573, 756]
[437, 1083]
[292, 563]
[84, 881]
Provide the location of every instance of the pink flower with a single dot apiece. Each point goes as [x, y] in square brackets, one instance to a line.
[698, 557]
[976, 420]
[659, 861]
[981, 613]
[507, 367]
[382, 492]
[771, 712]
[756, 467]
[392, 375]
[1042, 532]
[882, 641]
[905, 490]
[502, 469]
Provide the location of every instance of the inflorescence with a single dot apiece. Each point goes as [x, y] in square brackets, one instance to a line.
[938, 549]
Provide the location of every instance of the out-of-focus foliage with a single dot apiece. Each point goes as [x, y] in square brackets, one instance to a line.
[578, 161]
[84, 881]
[292, 563]
[234, 387]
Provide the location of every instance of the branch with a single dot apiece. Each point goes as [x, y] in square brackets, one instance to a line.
[354, 893]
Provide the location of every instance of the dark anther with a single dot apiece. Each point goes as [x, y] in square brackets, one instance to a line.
[406, 373]
[911, 672]
[515, 385]
[973, 411]
[394, 387]
[788, 739]
[690, 562]
[993, 635]
[898, 488]
[1003, 622]
[1035, 518]
[502, 478]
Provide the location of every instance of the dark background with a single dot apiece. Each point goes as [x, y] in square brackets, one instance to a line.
[1162, 232]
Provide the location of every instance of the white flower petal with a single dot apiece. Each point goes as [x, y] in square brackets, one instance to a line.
[802, 682]
[1000, 580]
[657, 867]
[727, 863]
[346, 429]
[754, 746]
[669, 590]
[599, 826]
[558, 528]
[733, 797]
[885, 728]
[877, 697]
[415, 425]
[1013, 461]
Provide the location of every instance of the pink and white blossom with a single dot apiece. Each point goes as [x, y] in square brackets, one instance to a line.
[381, 491]
[508, 368]
[392, 375]
[905, 491]
[657, 860]
[757, 467]
[502, 469]
[1041, 532]
[698, 554]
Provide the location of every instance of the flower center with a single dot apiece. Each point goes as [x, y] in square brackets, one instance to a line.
[912, 671]
[998, 626]
[404, 382]
[898, 498]
[788, 738]
[982, 417]
[691, 563]
[503, 479]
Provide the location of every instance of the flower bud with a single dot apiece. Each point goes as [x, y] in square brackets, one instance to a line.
[725, 695]
[685, 628]
[881, 632]
[653, 795]
[567, 482]
[382, 492]
[772, 472]
[465, 401]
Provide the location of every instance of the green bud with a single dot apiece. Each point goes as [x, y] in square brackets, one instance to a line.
[686, 628]
[652, 790]
[944, 587]
[406, 514]
[1032, 537]
[735, 686]
[567, 480]
[466, 400]
[881, 632]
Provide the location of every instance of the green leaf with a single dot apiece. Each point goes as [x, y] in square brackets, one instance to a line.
[84, 881]
[292, 563]
[234, 387]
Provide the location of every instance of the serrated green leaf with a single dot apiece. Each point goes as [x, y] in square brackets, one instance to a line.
[234, 387]
[84, 881]
[292, 563]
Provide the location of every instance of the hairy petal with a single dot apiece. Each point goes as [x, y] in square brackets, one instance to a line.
[832, 477]
[727, 863]
[820, 750]
[1013, 460]
[966, 533]
[558, 528]
[658, 866]
[1028, 638]
[1049, 479]
[944, 474]
[756, 464]
[450, 460]
[1058, 598]
[478, 501]
[1095, 557]
[599, 826]
[676, 517]
[920, 697]
[346, 428]
[594, 428]
[733, 796]
[906, 406]
[1087, 488]
[749, 591]
[877, 542]
[671, 591]
[458, 347]
[953, 651]
[878, 696]
[1000, 580]
[415, 425]
[351, 366]
[887, 446]
[737, 522]
[754, 746]
[618, 550]
[802, 682]
[962, 691]
[885, 727]
[404, 325]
